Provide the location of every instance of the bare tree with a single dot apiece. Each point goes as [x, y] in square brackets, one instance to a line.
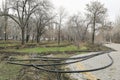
[95, 11]
[116, 30]
[42, 18]
[29, 29]
[61, 17]
[50, 31]
[76, 26]
[86, 26]
[5, 11]
[1, 26]
[23, 9]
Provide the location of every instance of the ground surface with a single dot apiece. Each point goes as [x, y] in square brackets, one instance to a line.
[111, 73]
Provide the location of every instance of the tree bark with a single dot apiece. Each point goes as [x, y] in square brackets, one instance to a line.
[27, 33]
[85, 32]
[33, 37]
[5, 32]
[93, 34]
[59, 35]
[27, 38]
[23, 35]
[37, 37]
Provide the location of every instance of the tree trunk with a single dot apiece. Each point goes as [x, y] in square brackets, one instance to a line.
[59, 35]
[37, 37]
[5, 36]
[23, 36]
[27, 33]
[93, 34]
[32, 37]
[5, 32]
[27, 38]
[85, 32]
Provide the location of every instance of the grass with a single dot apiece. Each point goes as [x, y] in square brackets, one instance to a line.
[11, 72]
[45, 47]
[50, 49]
[56, 44]
[7, 45]
[8, 71]
[8, 41]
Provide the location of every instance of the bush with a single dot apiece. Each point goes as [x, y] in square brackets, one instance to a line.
[96, 47]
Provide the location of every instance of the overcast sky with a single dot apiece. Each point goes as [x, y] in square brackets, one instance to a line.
[73, 6]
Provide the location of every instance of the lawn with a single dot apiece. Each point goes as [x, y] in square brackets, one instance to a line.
[46, 49]
[8, 45]
[8, 71]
